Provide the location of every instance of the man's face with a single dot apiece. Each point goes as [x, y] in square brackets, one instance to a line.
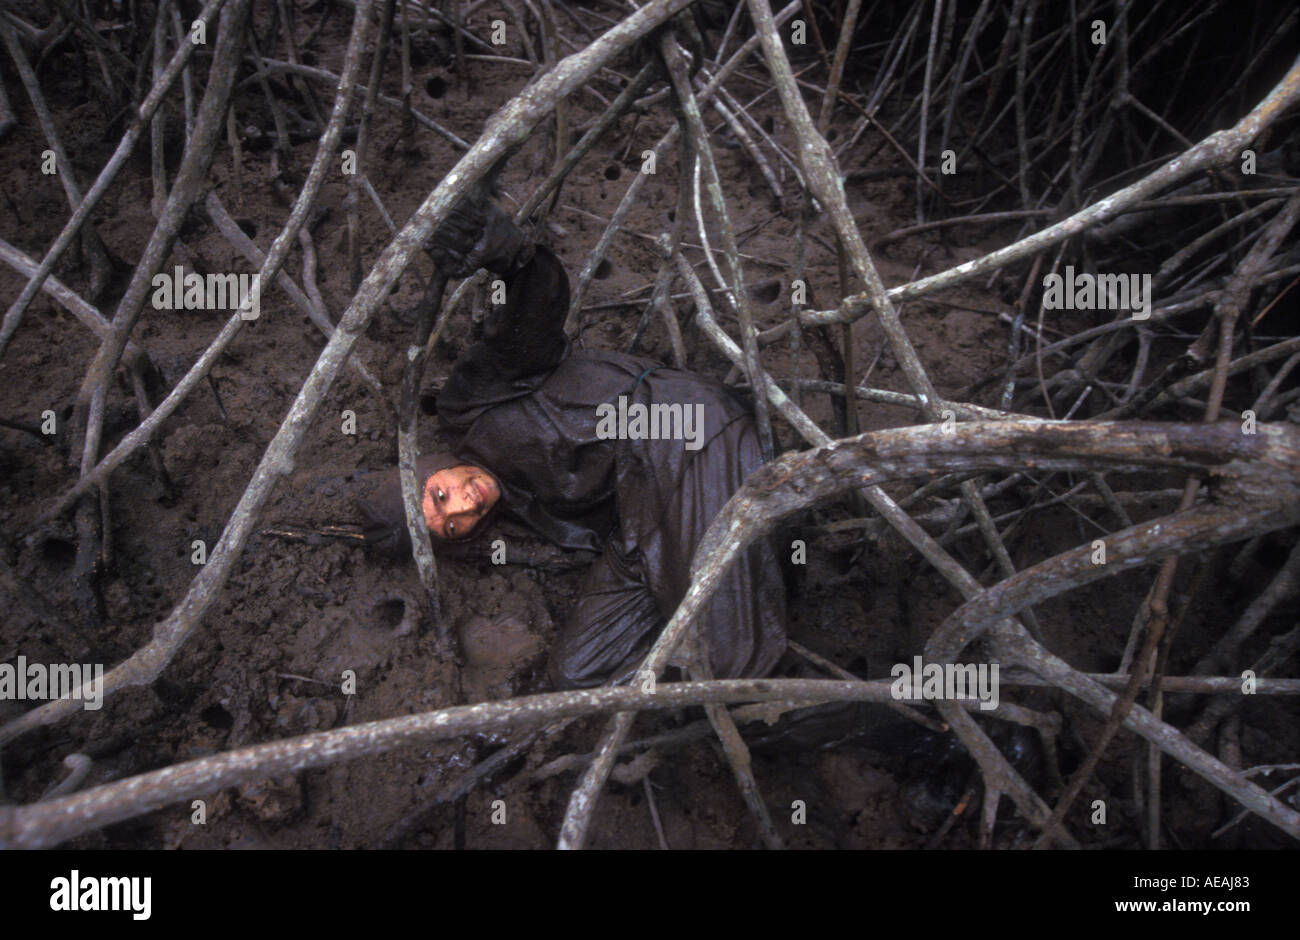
[456, 498]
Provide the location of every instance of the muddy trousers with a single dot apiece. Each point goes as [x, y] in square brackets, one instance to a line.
[616, 620]
[644, 572]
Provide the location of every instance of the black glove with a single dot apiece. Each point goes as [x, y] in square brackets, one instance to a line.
[478, 234]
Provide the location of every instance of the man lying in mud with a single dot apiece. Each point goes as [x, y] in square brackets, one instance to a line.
[593, 450]
[570, 444]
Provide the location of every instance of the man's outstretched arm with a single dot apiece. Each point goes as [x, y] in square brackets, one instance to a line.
[524, 328]
[525, 335]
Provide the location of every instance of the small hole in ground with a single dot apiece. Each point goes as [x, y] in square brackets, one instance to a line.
[603, 270]
[766, 291]
[613, 171]
[59, 552]
[429, 404]
[388, 614]
[247, 226]
[218, 717]
[435, 86]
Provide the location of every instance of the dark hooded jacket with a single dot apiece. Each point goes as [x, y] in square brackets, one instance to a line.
[538, 417]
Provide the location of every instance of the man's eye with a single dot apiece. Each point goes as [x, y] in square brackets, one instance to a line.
[451, 529]
[441, 496]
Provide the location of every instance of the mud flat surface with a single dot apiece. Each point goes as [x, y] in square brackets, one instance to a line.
[297, 612]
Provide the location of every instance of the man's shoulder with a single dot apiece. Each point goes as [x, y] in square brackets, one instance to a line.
[611, 358]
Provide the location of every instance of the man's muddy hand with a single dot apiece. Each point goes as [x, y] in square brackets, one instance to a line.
[477, 234]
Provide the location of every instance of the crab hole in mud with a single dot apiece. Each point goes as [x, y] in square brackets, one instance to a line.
[59, 553]
[435, 86]
[218, 717]
[766, 291]
[613, 171]
[388, 613]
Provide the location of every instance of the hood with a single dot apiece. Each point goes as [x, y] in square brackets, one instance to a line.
[384, 517]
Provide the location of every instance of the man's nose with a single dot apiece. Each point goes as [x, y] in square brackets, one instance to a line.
[463, 500]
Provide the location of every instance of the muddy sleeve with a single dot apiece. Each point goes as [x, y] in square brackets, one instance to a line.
[525, 334]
